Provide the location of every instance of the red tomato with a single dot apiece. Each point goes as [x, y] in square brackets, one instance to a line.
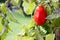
[40, 15]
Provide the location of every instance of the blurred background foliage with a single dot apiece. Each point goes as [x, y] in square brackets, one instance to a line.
[2, 1]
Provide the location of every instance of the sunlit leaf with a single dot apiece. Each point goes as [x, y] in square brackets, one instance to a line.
[4, 35]
[1, 27]
[25, 5]
[29, 7]
[3, 8]
[55, 4]
[50, 37]
[30, 1]
[31, 24]
[38, 34]
[1, 19]
[15, 2]
[23, 38]
[43, 30]
[31, 32]
[10, 28]
[55, 0]
[20, 12]
[23, 30]
[27, 38]
[26, 0]
[11, 16]
[17, 28]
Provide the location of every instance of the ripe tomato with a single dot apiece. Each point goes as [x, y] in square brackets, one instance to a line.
[40, 15]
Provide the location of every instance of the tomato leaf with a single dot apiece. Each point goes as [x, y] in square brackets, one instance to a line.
[43, 30]
[56, 22]
[16, 2]
[4, 35]
[9, 28]
[11, 16]
[29, 7]
[55, 4]
[3, 8]
[23, 38]
[55, 15]
[50, 37]
[31, 24]
[1, 27]
[19, 11]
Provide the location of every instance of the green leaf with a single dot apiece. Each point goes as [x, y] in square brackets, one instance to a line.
[48, 9]
[20, 11]
[29, 7]
[4, 35]
[50, 37]
[55, 0]
[16, 2]
[47, 27]
[17, 27]
[10, 28]
[25, 5]
[26, 0]
[18, 37]
[38, 34]
[56, 22]
[3, 8]
[43, 30]
[1, 27]
[1, 19]
[54, 16]
[55, 4]
[30, 1]
[11, 16]
[31, 24]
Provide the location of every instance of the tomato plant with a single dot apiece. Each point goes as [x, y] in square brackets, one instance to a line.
[29, 19]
